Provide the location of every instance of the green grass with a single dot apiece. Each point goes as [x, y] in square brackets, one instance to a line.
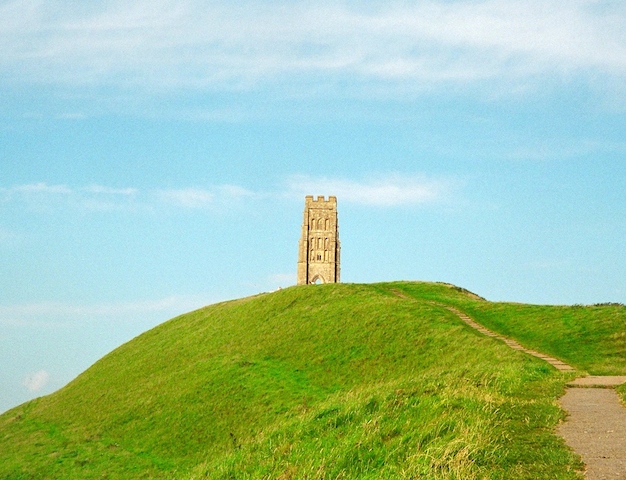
[590, 338]
[319, 382]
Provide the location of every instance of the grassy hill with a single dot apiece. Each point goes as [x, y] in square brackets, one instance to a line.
[322, 382]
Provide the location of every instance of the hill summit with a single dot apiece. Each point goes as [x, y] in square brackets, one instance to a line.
[320, 382]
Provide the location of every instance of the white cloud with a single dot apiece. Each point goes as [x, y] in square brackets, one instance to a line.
[79, 310]
[201, 198]
[220, 45]
[44, 197]
[188, 197]
[110, 191]
[39, 188]
[42, 188]
[34, 382]
[384, 191]
[234, 191]
[55, 314]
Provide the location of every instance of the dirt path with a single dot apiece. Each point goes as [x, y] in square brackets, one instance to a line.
[558, 364]
[596, 424]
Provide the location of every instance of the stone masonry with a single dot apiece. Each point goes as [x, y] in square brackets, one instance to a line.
[318, 258]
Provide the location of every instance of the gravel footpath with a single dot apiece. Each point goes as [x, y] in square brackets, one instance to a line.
[596, 427]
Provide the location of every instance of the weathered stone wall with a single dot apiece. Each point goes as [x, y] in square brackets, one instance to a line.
[318, 256]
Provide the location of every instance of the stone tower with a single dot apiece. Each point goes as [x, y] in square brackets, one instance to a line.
[318, 258]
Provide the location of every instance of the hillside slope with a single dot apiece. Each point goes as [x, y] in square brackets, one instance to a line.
[330, 381]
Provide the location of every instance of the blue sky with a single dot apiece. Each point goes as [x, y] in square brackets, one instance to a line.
[155, 155]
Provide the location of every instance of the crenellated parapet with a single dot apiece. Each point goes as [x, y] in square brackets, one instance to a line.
[309, 199]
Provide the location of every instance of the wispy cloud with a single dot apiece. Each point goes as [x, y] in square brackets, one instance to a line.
[57, 314]
[38, 188]
[515, 147]
[220, 45]
[44, 197]
[34, 382]
[200, 198]
[188, 197]
[100, 189]
[384, 191]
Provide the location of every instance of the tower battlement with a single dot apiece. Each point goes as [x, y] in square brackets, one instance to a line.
[320, 199]
[318, 256]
